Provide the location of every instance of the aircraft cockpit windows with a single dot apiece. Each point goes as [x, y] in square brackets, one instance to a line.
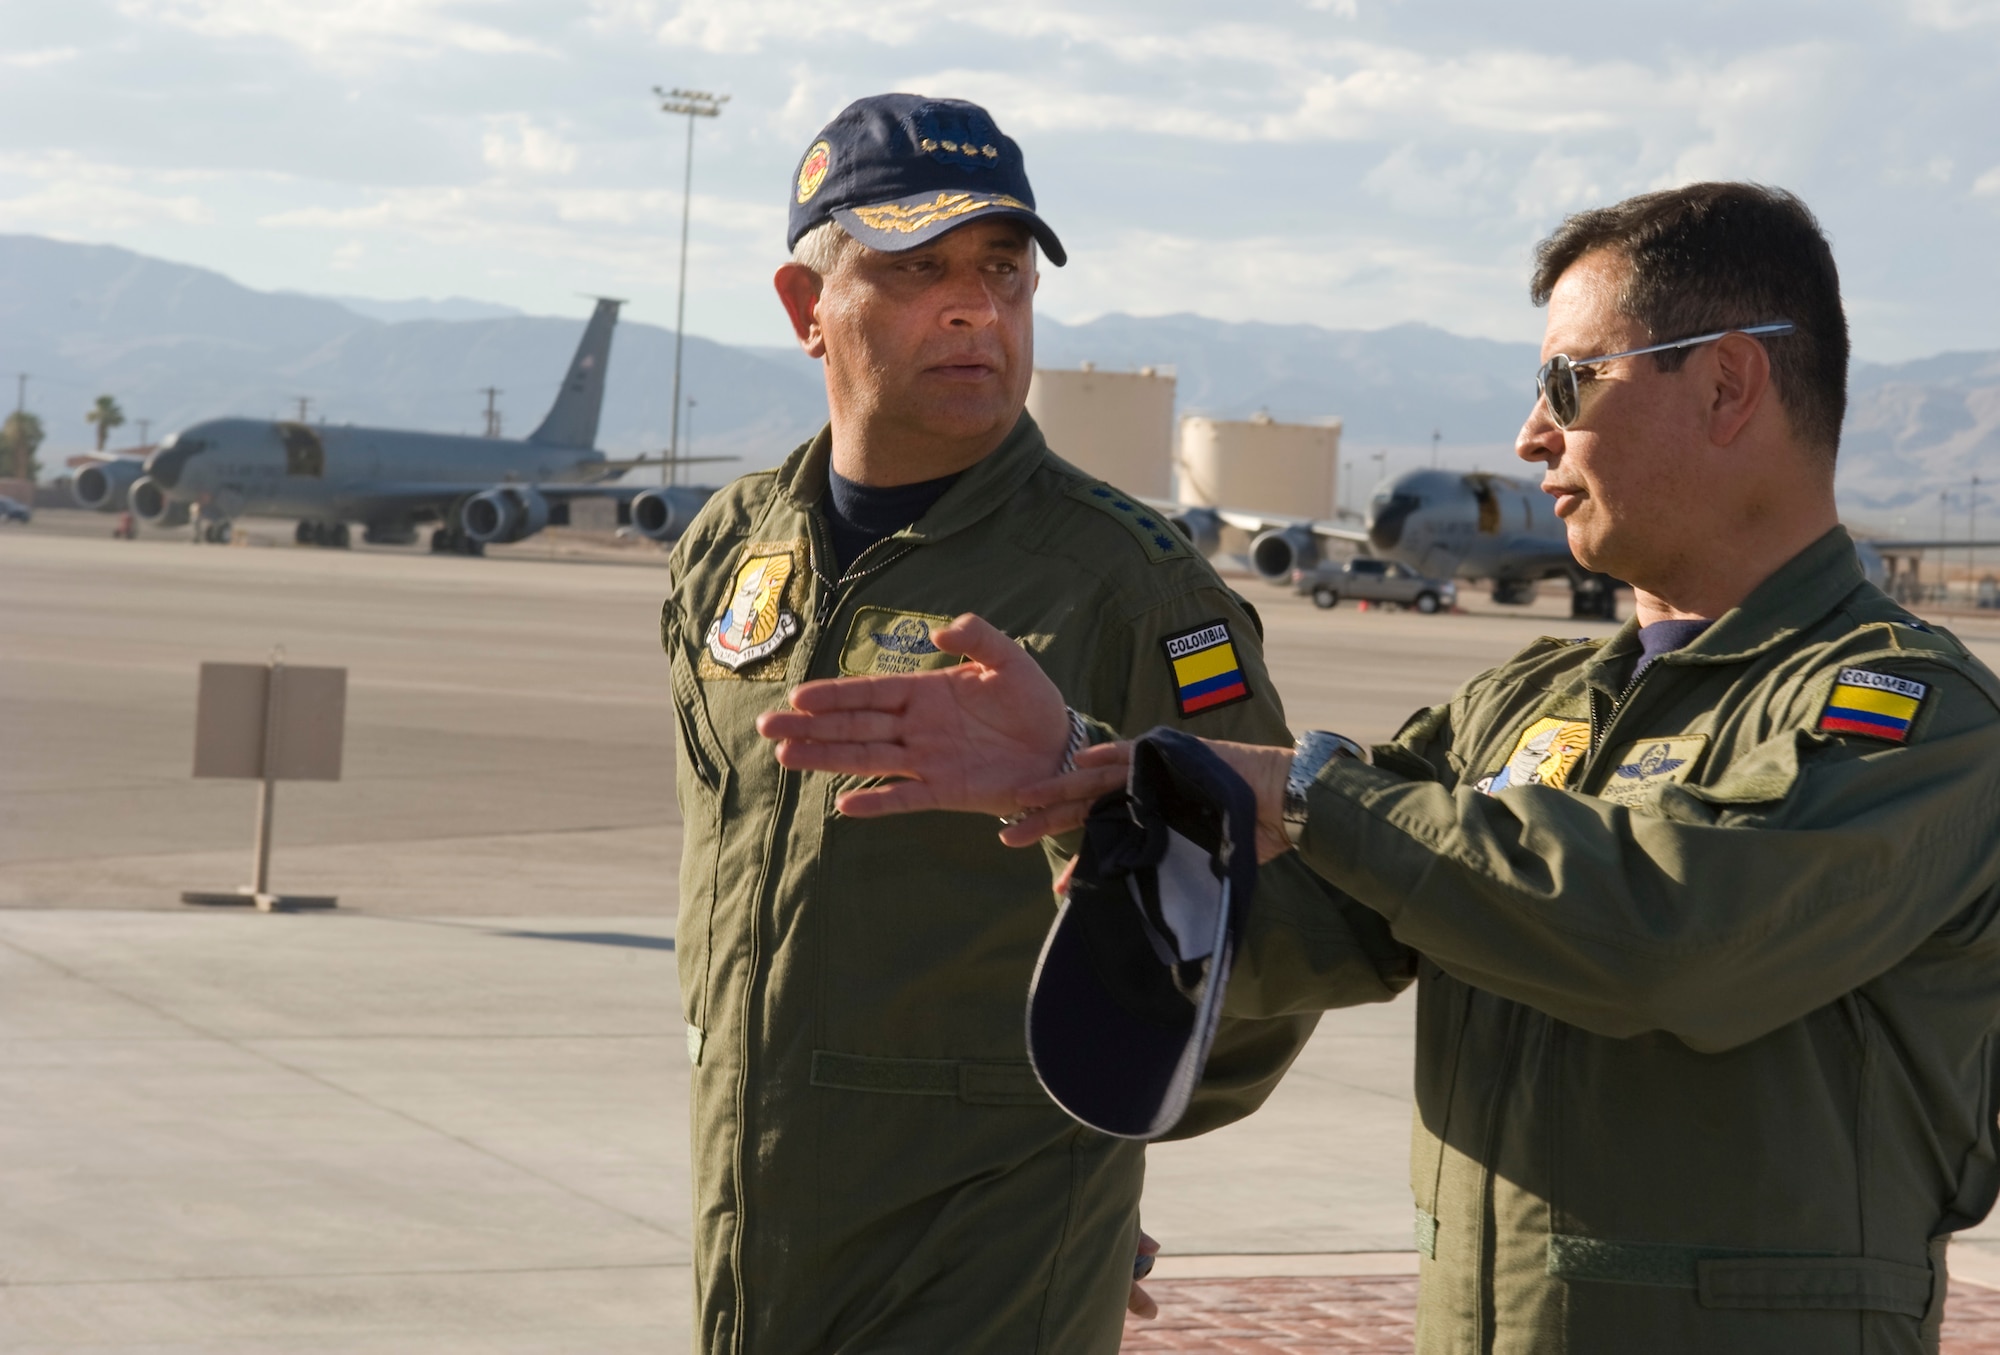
[305, 454]
[1387, 515]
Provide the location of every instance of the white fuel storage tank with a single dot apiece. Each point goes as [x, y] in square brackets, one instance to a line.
[1118, 426]
[1260, 465]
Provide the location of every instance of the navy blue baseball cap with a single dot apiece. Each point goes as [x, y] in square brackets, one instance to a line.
[899, 170]
[1127, 995]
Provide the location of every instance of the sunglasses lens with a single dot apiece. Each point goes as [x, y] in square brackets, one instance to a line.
[1558, 382]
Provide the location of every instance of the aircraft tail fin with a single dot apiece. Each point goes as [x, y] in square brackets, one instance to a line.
[572, 419]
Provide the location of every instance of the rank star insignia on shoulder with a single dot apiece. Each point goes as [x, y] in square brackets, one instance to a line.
[1876, 705]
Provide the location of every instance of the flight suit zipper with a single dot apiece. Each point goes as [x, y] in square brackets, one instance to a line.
[832, 594]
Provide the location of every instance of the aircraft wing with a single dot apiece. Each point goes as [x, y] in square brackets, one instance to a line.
[1256, 524]
[409, 494]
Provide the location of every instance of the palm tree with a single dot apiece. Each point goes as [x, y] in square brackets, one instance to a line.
[107, 416]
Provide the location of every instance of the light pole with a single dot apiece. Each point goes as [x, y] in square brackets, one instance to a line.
[1972, 535]
[692, 104]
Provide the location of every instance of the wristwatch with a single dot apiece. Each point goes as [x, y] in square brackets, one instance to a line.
[1310, 753]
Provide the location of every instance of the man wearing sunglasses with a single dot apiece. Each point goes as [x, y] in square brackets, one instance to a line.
[1703, 913]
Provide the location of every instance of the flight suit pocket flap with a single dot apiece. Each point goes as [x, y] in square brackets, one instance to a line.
[979, 1084]
[1764, 775]
[1814, 1282]
[1000, 1084]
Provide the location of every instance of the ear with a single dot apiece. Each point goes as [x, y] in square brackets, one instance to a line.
[798, 290]
[1740, 369]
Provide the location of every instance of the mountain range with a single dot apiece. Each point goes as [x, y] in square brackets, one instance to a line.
[175, 343]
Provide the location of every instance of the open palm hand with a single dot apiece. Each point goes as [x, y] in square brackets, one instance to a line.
[961, 738]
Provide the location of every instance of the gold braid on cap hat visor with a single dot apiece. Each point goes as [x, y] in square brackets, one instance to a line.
[891, 216]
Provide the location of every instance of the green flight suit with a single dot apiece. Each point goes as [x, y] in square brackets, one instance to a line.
[875, 1167]
[1709, 989]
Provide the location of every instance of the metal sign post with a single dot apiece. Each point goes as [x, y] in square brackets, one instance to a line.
[268, 722]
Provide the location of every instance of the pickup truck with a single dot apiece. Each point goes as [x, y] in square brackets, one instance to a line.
[1367, 580]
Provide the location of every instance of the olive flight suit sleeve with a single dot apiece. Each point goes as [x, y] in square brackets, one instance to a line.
[1251, 1051]
[1717, 913]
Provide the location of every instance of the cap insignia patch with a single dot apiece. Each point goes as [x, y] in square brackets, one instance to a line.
[755, 623]
[1545, 755]
[1206, 672]
[1878, 705]
[812, 172]
[957, 136]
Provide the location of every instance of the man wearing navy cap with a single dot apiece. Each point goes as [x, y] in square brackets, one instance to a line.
[875, 1165]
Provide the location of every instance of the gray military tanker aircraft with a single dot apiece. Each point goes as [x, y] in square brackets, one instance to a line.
[480, 490]
[1474, 526]
[1447, 524]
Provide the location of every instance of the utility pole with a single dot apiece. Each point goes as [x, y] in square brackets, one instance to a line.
[1381, 460]
[1972, 535]
[1346, 475]
[692, 104]
[303, 401]
[1944, 498]
[492, 393]
[1437, 436]
[144, 424]
[21, 399]
[690, 440]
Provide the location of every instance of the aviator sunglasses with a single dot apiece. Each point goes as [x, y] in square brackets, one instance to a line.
[1556, 381]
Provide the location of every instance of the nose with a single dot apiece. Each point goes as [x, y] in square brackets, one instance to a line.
[972, 304]
[1540, 438]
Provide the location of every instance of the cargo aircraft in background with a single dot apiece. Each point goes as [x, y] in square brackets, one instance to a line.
[481, 491]
[1475, 526]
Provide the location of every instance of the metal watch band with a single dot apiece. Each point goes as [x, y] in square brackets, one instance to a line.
[1311, 751]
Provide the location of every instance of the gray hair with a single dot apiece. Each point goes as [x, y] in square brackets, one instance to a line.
[823, 247]
[827, 245]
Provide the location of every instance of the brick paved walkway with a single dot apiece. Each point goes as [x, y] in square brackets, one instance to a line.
[1376, 1315]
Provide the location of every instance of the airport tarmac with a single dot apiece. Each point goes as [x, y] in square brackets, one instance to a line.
[450, 1116]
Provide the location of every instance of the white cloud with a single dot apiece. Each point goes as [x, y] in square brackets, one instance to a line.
[348, 33]
[41, 56]
[1987, 185]
[515, 144]
[1955, 14]
[71, 196]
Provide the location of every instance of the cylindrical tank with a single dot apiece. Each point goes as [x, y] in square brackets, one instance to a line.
[1260, 465]
[1119, 426]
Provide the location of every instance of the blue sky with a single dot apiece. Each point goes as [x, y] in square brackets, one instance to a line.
[1350, 163]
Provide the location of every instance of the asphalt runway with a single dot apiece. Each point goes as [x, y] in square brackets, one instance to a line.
[451, 1115]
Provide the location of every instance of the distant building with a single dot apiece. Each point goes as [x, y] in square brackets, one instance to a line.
[1259, 465]
[1118, 426]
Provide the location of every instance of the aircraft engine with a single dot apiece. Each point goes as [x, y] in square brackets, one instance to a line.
[103, 485]
[1276, 553]
[504, 513]
[663, 514]
[151, 505]
[1201, 526]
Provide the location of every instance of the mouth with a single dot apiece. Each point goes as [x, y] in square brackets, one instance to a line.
[1568, 497]
[969, 369]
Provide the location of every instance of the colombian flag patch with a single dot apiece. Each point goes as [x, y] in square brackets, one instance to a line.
[1205, 670]
[1875, 704]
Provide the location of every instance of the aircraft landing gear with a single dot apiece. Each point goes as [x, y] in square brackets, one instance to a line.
[446, 541]
[329, 535]
[217, 533]
[1593, 598]
[1513, 592]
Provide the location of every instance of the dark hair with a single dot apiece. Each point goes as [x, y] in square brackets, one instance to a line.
[1719, 255]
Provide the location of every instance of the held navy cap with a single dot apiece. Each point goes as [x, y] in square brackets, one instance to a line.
[899, 170]
[1127, 994]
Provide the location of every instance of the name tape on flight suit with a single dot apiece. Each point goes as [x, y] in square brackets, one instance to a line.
[1204, 668]
[883, 640]
[1649, 763]
[1877, 705]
